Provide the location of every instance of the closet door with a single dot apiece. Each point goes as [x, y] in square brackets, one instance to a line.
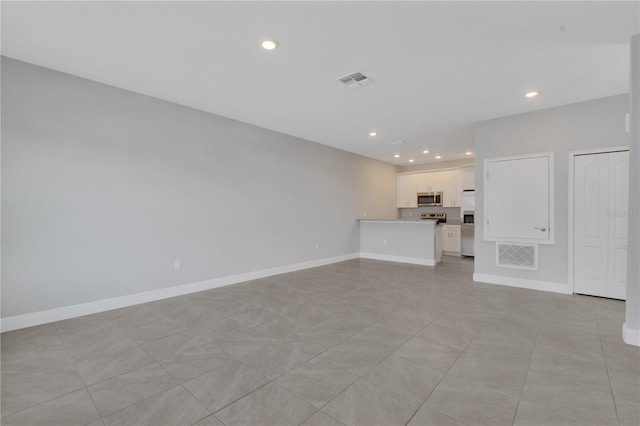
[601, 194]
[591, 224]
[618, 223]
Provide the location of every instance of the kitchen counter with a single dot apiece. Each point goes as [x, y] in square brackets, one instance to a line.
[415, 241]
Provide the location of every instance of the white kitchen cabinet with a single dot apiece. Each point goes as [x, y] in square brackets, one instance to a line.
[451, 238]
[451, 188]
[407, 191]
[468, 178]
[430, 182]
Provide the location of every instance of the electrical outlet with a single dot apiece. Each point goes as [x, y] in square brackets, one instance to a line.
[317, 244]
[364, 214]
[177, 264]
[384, 242]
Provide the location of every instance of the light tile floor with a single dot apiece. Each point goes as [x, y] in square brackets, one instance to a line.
[355, 343]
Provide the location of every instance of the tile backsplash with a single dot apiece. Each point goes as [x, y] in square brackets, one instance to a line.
[453, 213]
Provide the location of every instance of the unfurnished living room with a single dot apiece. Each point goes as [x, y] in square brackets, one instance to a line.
[320, 213]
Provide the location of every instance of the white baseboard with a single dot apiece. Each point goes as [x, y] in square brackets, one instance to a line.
[66, 312]
[523, 283]
[401, 259]
[630, 335]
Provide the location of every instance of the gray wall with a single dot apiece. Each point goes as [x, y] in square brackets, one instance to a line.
[103, 188]
[593, 124]
[632, 319]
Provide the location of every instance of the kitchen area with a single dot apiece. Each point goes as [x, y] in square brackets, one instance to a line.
[435, 218]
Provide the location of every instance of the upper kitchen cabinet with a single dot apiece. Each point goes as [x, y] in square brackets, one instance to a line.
[468, 178]
[407, 191]
[451, 188]
[430, 182]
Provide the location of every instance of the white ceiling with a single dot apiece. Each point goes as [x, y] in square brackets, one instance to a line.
[437, 67]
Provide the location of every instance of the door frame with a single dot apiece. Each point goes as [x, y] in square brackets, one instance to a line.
[571, 195]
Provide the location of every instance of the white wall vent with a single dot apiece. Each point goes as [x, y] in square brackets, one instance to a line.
[355, 80]
[517, 256]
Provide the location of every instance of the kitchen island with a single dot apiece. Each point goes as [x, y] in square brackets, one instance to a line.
[406, 241]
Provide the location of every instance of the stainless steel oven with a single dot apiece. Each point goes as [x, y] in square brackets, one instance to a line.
[429, 199]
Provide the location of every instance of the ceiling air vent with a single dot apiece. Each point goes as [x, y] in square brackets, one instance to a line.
[355, 80]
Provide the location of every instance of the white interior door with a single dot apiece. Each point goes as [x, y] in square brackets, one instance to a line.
[517, 199]
[600, 224]
[618, 223]
[591, 201]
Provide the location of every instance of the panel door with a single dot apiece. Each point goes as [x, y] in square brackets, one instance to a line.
[591, 224]
[618, 223]
[517, 199]
[601, 197]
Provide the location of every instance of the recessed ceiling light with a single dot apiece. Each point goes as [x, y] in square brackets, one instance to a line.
[531, 94]
[269, 44]
[396, 156]
[426, 151]
[468, 153]
[438, 157]
[411, 160]
[372, 133]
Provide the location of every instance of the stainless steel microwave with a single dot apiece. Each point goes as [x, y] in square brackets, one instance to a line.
[429, 199]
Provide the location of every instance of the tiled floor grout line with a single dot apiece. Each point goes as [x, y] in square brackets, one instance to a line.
[86, 388]
[445, 375]
[155, 361]
[524, 382]
[361, 377]
[145, 399]
[201, 403]
[247, 366]
[328, 362]
[180, 383]
[606, 366]
[240, 397]
[287, 390]
[40, 403]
